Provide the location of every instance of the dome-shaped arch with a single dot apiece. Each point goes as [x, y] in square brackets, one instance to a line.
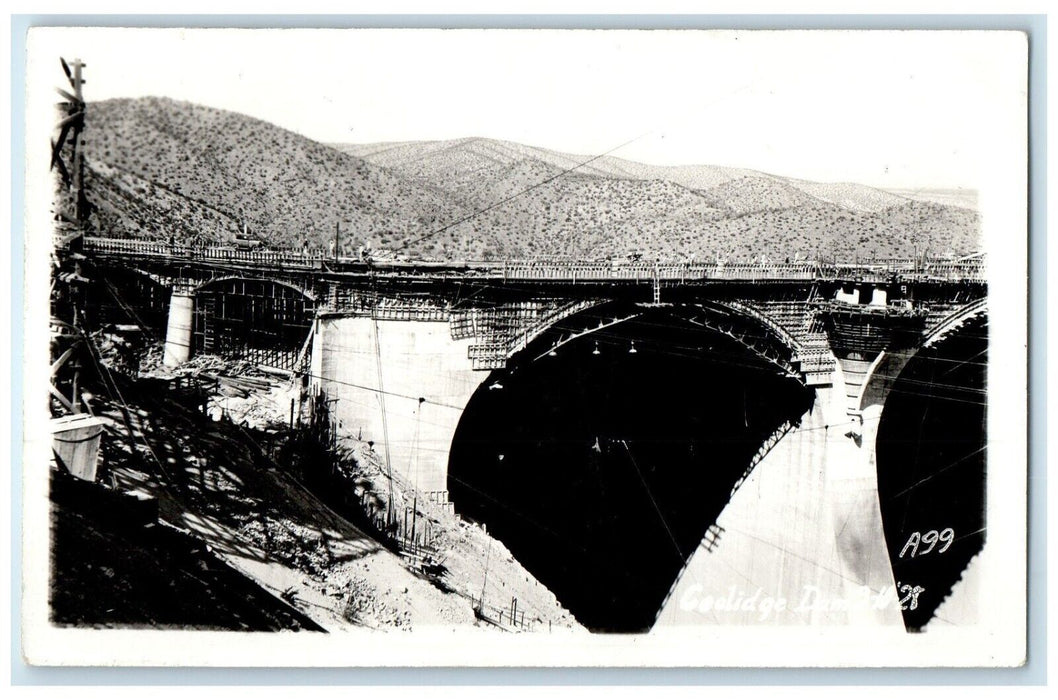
[932, 460]
[600, 467]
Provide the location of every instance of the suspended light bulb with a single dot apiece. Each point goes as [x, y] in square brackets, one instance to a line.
[494, 386]
[552, 353]
[632, 350]
[596, 350]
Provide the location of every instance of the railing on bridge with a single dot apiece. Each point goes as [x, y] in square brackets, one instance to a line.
[637, 271]
[178, 251]
[955, 271]
[967, 270]
[973, 270]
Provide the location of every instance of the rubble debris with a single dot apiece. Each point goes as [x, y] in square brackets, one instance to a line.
[213, 471]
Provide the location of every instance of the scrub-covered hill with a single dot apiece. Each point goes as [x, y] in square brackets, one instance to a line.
[158, 167]
[161, 167]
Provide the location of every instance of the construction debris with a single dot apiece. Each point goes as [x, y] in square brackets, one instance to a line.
[214, 464]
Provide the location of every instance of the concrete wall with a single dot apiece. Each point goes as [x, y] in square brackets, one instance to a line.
[803, 541]
[418, 359]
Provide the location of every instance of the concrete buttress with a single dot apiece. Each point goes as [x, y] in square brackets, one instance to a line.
[373, 365]
[801, 541]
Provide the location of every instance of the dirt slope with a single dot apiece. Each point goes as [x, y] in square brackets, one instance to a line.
[218, 481]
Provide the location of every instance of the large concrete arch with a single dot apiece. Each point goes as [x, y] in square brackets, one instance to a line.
[885, 373]
[744, 341]
[802, 541]
[743, 324]
[404, 383]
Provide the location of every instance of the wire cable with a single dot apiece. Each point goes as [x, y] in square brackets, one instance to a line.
[653, 501]
[509, 198]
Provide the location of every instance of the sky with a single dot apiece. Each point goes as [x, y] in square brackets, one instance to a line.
[890, 109]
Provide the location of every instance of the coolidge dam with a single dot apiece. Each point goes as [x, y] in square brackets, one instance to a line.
[797, 443]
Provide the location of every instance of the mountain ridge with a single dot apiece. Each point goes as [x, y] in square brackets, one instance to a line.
[159, 167]
[690, 176]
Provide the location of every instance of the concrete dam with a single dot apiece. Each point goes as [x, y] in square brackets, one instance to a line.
[776, 446]
[618, 463]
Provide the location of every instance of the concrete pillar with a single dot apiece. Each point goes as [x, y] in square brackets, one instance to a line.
[855, 510]
[178, 330]
[413, 359]
[316, 356]
[776, 560]
[802, 541]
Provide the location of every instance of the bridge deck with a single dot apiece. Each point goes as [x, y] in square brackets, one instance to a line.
[544, 271]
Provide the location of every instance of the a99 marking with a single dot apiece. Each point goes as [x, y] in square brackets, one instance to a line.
[929, 542]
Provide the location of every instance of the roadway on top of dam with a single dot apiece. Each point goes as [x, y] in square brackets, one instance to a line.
[971, 270]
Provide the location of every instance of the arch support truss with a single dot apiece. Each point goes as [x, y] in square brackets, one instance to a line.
[264, 322]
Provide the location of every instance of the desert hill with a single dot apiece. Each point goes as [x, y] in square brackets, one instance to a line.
[159, 167]
[616, 207]
[435, 161]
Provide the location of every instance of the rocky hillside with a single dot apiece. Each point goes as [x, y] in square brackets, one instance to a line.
[158, 167]
[161, 167]
[613, 206]
[450, 162]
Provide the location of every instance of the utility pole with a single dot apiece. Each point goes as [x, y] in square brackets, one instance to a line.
[485, 578]
[70, 128]
[78, 143]
[337, 224]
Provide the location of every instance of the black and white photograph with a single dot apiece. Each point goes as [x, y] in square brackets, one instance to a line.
[525, 347]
